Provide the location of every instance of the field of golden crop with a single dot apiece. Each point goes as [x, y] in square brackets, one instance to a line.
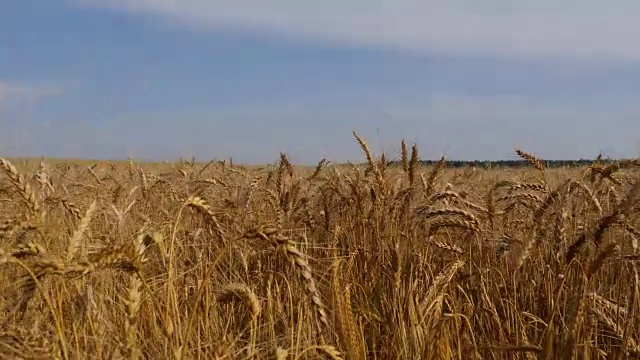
[219, 261]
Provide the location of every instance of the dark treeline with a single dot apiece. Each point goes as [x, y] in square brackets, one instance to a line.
[511, 163]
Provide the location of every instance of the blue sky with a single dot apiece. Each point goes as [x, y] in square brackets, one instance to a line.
[250, 78]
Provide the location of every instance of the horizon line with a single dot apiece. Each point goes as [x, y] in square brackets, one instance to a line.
[230, 159]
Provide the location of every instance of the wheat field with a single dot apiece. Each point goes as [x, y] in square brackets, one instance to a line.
[220, 261]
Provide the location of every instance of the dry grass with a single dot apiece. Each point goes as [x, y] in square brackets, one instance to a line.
[218, 261]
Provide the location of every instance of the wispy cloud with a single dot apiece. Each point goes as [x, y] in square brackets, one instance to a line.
[19, 92]
[462, 127]
[18, 102]
[576, 30]
[459, 126]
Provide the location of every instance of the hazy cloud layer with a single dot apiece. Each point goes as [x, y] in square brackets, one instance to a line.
[18, 92]
[18, 101]
[461, 127]
[587, 30]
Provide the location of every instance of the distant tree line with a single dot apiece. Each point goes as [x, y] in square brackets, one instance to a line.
[550, 164]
